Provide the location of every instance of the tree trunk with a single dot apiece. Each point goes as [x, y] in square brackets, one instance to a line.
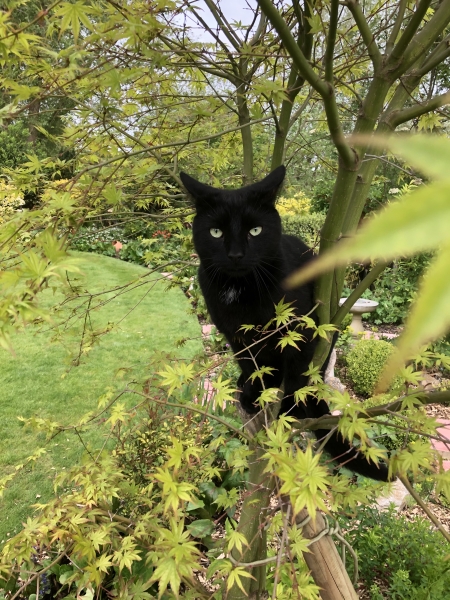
[323, 560]
[251, 523]
[325, 563]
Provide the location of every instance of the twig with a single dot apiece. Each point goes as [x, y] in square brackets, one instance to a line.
[424, 507]
[39, 573]
[194, 409]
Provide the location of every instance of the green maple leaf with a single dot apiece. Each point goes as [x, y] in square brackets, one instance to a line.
[73, 15]
[234, 578]
[167, 573]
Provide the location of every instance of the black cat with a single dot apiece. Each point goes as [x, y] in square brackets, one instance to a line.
[244, 258]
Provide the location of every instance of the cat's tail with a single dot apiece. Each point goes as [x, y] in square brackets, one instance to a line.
[347, 455]
[342, 451]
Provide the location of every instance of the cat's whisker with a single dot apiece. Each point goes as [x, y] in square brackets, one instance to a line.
[258, 286]
[262, 279]
[271, 265]
[268, 274]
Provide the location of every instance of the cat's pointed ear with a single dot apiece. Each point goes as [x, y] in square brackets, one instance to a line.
[266, 190]
[204, 195]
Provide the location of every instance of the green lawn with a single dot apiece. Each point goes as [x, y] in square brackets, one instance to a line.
[38, 381]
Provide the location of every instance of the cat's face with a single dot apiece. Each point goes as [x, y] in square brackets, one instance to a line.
[236, 231]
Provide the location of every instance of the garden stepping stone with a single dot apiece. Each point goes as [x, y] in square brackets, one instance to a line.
[396, 495]
[443, 447]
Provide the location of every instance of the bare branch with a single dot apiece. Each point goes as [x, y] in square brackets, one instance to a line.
[421, 42]
[366, 33]
[398, 117]
[438, 56]
[215, 36]
[325, 89]
[409, 31]
[224, 25]
[425, 508]
[331, 41]
[259, 30]
[358, 292]
[397, 25]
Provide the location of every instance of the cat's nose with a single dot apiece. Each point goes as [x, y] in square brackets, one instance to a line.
[235, 256]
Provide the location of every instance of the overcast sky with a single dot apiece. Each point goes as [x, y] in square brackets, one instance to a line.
[234, 10]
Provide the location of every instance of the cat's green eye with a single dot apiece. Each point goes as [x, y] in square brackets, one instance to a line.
[217, 233]
[255, 231]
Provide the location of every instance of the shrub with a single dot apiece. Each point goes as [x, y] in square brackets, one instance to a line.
[398, 559]
[307, 227]
[365, 361]
[143, 450]
[389, 436]
[394, 290]
[297, 204]
[161, 245]
[10, 201]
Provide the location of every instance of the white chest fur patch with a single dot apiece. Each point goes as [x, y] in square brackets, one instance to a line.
[230, 295]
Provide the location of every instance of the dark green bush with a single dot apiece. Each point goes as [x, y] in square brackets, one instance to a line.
[307, 227]
[93, 239]
[365, 361]
[394, 290]
[159, 245]
[398, 559]
[390, 437]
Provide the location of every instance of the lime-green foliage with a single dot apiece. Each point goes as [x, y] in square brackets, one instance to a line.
[365, 362]
[38, 380]
[398, 559]
[10, 201]
[307, 227]
[143, 449]
[294, 205]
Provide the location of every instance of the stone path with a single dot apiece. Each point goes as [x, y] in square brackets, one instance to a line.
[398, 493]
[443, 447]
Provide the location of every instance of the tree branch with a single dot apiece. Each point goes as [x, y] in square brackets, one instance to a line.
[331, 421]
[366, 33]
[293, 48]
[215, 36]
[325, 89]
[259, 30]
[181, 50]
[358, 292]
[436, 57]
[398, 117]
[408, 34]
[424, 507]
[224, 25]
[421, 41]
[331, 41]
[168, 145]
[397, 25]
